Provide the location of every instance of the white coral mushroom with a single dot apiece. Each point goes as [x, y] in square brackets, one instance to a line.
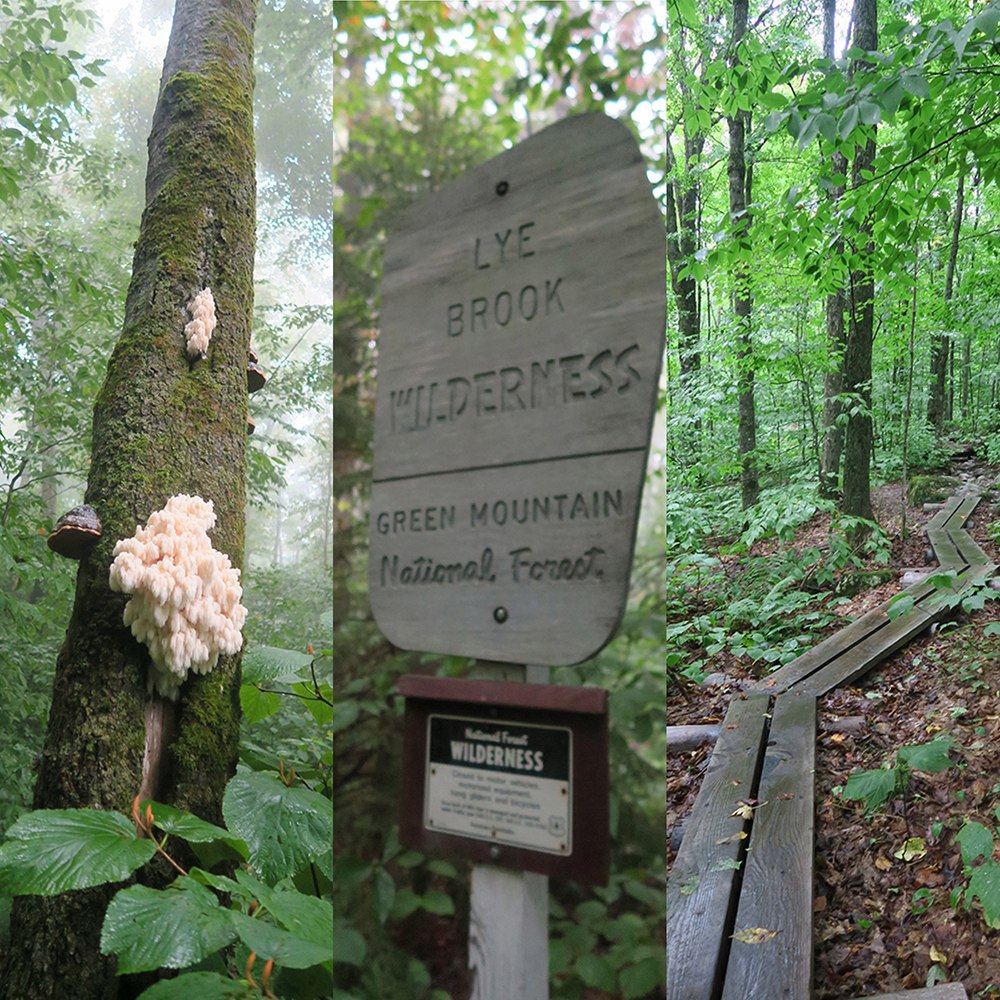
[199, 330]
[185, 603]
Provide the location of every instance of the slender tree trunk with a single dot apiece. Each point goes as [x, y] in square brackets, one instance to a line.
[858, 354]
[833, 379]
[739, 183]
[162, 426]
[938, 403]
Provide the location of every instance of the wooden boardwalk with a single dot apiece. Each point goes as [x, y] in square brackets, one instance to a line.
[740, 894]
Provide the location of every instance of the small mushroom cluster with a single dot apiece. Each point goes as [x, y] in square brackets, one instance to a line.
[185, 603]
[198, 332]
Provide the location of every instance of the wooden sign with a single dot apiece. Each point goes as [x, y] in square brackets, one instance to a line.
[508, 774]
[523, 320]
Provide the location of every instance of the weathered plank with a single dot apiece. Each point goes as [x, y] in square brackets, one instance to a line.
[701, 897]
[944, 548]
[941, 518]
[943, 991]
[970, 551]
[839, 643]
[777, 890]
[689, 737]
[872, 649]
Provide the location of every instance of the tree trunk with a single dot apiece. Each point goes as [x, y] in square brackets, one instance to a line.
[739, 182]
[833, 380]
[162, 426]
[858, 353]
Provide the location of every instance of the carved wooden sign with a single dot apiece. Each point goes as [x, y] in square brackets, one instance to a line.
[523, 322]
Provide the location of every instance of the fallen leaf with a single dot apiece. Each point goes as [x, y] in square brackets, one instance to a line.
[913, 849]
[784, 796]
[690, 884]
[755, 935]
[837, 737]
[937, 955]
[819, 904]
[882, 863]
[735, 781]
[741, 835]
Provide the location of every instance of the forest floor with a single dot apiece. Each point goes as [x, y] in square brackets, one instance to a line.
[870, 933]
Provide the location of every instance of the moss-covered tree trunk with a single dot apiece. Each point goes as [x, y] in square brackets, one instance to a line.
[162, 426]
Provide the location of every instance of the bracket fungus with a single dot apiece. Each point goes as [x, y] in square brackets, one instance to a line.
[76, 532]
[185, 603]
[199, 331]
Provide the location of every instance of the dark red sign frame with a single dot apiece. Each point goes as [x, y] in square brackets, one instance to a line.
[584, 710]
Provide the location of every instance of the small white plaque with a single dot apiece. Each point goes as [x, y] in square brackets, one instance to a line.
[508, 783]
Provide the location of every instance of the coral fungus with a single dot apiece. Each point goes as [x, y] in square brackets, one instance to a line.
[199, 330]
[185, 603]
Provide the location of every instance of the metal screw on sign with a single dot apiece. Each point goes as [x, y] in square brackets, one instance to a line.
[500, 615]
[502, 188]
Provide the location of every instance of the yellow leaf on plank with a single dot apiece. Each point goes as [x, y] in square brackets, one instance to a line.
[755, 935]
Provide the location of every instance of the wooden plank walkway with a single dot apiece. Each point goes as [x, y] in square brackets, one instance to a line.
[777, 889]
[703, 885]
[739, 896]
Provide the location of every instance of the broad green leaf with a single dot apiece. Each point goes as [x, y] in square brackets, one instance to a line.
[914, 82]
[266, 664]
[827, 127]
[203, 985]
[188, 920]
[257, 704]
[285, 947]
[596, 971]
[643, 977]
[191, 828]
[870, 113]
[307, 917]
[284, 828]
[437, 902]
[848, 121]
[985, 883]
[55, 850]
[931, 757]
[901, 604]
[383, 894]
[348, 946]
[872, 786]
[975, 839]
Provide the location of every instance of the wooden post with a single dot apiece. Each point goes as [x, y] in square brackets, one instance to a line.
[509, 910]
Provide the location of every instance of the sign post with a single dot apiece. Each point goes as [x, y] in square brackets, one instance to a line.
[522, 334]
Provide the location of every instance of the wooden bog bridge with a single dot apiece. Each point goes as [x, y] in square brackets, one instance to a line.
[740, 894]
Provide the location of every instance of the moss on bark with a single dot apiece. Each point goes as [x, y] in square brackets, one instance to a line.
[162, 426]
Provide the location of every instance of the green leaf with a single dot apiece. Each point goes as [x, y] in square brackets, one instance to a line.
[348, 946]
[914, 82]
[870, 113]
[203, 985]
[286, 947]
[827, 127]
[596, 971]
[383, 894]
[901, 604]
[872, 786]
[437, 902]
[267, 664]
[257, 704]
[848, 121]
[985, 883]
[56, 850]
[284, 828]
[931, 757]
[640, 979]
[190, 925]
[976, 840]
[191, 828]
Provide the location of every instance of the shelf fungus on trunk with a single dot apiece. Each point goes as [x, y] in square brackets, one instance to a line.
[76, 532]
[198, 332]
[256, 379]
[185, 603]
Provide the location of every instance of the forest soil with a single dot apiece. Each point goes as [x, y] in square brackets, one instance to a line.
[870, 934]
